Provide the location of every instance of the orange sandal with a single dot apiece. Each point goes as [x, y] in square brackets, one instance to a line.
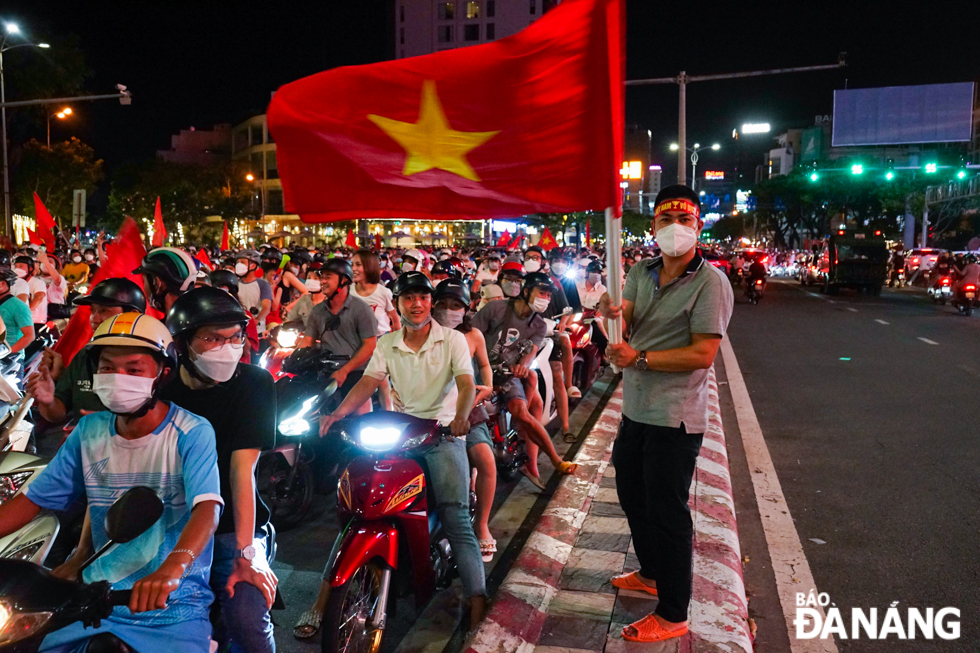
[567, 469]
[648, 629]
[631, 582]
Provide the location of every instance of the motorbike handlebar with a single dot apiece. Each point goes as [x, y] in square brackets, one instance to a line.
[120, 597]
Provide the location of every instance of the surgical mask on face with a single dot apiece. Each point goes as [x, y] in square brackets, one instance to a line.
[20, 272]
[406, 321]
[448, 317]
[560, 267]
[540, 305]
[76, 259]
[88, 257]
[511, 288]
[294, 269]
[494, 265]
[532, 265]
[595, 278]
[241, 269]
[408, 267]
[218, 364]
[676, 239]
[123, 394]
[638, 257]
[313, 285]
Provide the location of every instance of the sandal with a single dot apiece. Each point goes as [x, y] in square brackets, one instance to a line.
[574, 393]
[648, 629]
[535, 480]
[631, 582]
[567, 469]
[569, 437]
[308, 624]
[487, 549]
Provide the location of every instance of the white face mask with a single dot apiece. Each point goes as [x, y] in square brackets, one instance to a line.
[241, 269]
[510, 288]
[407, 322]
[540, 305]
[408, 267]
[559, 267]
[20, 272]
[218, 364]
[313, 285]
[448, 317]
[532, 265]
[595, 278]
[76, 259]
[494, 265]
[88, 257]
[638, 257]
[676, 239]
[123, 394]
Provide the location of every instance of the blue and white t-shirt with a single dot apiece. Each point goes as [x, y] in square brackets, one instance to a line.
[178, 461]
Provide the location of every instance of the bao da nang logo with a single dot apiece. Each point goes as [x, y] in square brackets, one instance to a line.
[891, 623]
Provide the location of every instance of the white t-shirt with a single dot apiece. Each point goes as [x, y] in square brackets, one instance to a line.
[484, 275]
[589, 298]
[30, 288]
[381, 303]
[56, 291]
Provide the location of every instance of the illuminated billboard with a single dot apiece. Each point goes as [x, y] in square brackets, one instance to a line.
[632, 170]
[716, 175]
[896, 115]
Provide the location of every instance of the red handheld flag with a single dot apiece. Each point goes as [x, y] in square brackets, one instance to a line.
[504, 240]
[547, 242]
[33, 238]
[159, 229]
[377, 242]
[530, 123]
[351, 240]
[224, 238]
[205, 260]
[122, 257]
[45, 223]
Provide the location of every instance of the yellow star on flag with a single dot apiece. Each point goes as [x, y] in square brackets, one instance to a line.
[431, 142]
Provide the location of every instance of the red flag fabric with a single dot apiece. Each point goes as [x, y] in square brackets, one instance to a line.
[122, 257]
[351, 240]
[504, 240]
[45, 223]
[224, 238]
[159, 229]
[33, 238]
[547, 242]
[377, 242]
[515, 242]
[203, 257]
[530, 123]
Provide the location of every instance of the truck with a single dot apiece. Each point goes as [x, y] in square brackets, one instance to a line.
[854, 259]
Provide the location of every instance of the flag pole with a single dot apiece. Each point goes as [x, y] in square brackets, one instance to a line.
[614, 266]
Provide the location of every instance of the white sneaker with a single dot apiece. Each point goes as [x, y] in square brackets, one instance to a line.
[574, 393]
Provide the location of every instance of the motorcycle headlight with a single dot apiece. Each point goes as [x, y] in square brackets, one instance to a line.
[298, 424]
[380, 438]
[15, 626]
[10, 484]
[287, 338]
[577, 318]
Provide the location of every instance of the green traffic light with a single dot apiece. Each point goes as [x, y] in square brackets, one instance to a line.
[961, 174]
[889, 175]
[814, 177]
[857, 169]
[931, 167]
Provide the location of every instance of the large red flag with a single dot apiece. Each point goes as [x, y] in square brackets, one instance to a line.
[504, 239]
[159, 229]
[547, 242]
[530, 123]
[224, 238]
[122, 257]
[45, 223]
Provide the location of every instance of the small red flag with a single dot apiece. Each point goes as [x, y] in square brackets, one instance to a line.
[351, 240]
[224, 238]
[203, 257]
[33, 238]
[122, 257]
[377, 242]
[532, 123]
[504, 240]
[547, 242]
[45, 223]
[159, 229]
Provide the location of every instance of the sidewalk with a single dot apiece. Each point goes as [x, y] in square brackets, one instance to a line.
[557, 597]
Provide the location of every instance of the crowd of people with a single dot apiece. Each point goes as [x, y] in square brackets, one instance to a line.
[167, 394]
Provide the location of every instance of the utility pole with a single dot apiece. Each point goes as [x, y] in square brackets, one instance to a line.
[683, 79]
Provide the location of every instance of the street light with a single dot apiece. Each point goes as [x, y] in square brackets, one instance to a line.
[250, 177]
[64, 113]
[694, 159]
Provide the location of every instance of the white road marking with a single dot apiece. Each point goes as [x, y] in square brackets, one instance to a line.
[853, 310]
[882, 322]
[789, 562]
[928, 342]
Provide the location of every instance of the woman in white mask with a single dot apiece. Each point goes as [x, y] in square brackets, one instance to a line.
[301, 308]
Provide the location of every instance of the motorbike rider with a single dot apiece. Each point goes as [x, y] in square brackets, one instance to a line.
[897, 263]
[507, 326]
[431, 371]
[16, 316]
[450, 305]
[228, 281]
[254, 291]
[239, 400]
[300, 311]
[488, 272]
[942, 268]
[968, 273]
[59, 390]
[166, 448]
[756, 271]
[590, 287]
[557, 266]
[168, 273]
[31, 290]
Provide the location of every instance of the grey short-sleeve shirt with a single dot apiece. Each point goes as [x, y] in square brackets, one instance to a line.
[699, 301]
[357, 323]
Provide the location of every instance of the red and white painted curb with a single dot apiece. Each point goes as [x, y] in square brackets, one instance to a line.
[719, 612]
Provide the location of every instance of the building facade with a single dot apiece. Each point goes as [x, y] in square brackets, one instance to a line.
[427, 26]
[251, 142]
[199, 146]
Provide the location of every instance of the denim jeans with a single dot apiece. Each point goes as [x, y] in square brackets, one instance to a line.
[449, 473]
[244, 618]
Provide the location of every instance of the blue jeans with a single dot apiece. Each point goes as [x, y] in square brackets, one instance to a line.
[244, 622]
[449, 473]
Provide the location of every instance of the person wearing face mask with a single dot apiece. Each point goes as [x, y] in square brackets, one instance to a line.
[508, 326]
[300, 311]
[239, 400]
[228, 281]
[487, 273]
[489, 292]
[168, 273]
[289, 284]
[254, 291]
[590, 288]
[169, 450]
[676, 309]
[31, 290]
[16, 317]
[56, 285]
[412, 261]
[76, 270]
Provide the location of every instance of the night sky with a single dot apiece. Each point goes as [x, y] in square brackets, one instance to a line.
[205, 63]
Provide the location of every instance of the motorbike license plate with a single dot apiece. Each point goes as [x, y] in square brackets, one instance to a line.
[971, 295]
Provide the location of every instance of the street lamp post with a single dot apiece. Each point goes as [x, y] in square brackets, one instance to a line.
[694, 162]
[64, 113]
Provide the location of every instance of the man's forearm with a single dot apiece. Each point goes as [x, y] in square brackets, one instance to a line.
[36, 300]
[16, 513]
[53, 412]
[242, 481]
[360, 357]
[466, 394]
[264, 307]
[698, 356]
[197, 532]
[25, 340]
[360, 393]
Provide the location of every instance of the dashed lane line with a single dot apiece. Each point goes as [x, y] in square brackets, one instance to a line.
[853, 310]
[882, 322]
[928, 342]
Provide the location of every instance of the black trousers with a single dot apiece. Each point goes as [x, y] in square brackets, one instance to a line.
[654, 468]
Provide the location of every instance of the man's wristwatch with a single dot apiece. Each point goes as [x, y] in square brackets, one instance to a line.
[641, 361]
[248, 553]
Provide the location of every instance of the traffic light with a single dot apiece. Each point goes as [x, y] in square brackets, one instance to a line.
[890, 174]
[857, 169]
[814, 176]
[961, 174]
[931, 168]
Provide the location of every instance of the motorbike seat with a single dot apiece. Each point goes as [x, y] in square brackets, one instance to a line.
[108, 643]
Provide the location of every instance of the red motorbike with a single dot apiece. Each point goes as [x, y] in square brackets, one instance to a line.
[282, 343]
[391, 538]
[587, 358]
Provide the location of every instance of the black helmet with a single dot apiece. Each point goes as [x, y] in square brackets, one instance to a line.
[452, 289]
[5, 257]
[340, 267]
[446, 267]
[538, 280]
[271, 254]
[8, 275]
[225, 279]
[411, 281]
[116, 291]
[594, 266]
[301, 256]
[24, 260]
[203, 306]
[535, 248]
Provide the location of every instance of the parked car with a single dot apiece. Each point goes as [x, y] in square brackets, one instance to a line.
[718, 261]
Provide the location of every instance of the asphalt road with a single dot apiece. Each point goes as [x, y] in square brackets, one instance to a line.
[869, 407]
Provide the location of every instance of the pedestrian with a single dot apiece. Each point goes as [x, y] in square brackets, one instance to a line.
[676, 309]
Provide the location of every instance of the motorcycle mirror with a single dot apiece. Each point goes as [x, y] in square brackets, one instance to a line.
[132, 514]
[329, 390]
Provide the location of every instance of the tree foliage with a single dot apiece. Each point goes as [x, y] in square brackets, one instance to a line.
[53, 174]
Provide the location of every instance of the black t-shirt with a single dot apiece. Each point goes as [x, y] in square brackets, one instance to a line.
[243, 413]
[757, 270]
